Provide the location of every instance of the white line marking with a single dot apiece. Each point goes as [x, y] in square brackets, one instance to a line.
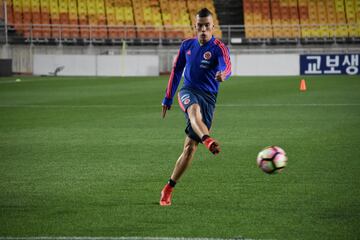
[73, 106]
[159, 106]
[290, 105]
[119, 238]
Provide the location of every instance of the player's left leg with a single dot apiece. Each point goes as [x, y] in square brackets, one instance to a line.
[181, 165]
[185, 158]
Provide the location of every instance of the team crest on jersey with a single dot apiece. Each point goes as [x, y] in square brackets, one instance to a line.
[207, 55]
[188, 52]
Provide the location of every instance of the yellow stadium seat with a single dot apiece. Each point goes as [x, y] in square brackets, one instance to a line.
[351, 14]
[110, 12]
[64, 18]
[342, 31]
[73, 10]
[45, 18]
[176, 18]
[304, 18]
[305, 32]
[26, 6]
[55, 19]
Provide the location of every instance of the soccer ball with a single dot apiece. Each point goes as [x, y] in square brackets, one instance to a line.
[272, 159]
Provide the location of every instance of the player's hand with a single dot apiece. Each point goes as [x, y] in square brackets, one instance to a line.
[164, 109]
[220, 76]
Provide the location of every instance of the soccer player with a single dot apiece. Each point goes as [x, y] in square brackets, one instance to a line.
[207, 63]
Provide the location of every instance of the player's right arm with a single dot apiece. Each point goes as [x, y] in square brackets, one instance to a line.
[174, 79]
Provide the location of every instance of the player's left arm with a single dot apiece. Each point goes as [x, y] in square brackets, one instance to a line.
[224, 63]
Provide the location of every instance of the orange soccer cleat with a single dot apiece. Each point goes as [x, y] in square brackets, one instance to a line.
[211, 144]
[165, 199]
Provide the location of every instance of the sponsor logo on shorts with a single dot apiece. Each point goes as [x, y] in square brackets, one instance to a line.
[185, 98]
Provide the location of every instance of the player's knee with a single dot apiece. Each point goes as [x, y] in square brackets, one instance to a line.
[194, 111]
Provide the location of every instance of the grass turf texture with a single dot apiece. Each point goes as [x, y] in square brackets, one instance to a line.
[89, 156]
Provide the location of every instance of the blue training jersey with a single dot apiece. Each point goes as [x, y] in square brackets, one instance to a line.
[201, 62]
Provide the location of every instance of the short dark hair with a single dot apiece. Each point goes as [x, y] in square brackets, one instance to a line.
[204, 13]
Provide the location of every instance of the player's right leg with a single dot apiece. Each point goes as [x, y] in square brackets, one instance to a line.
[196, 120]
[200, 128]
[199, 113]
[181, 165]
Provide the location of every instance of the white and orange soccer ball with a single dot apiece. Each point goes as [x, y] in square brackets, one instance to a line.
[272, 159]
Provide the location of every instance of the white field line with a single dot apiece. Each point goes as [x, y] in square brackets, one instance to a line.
[290, 105]
[159, 106]
[119, 238]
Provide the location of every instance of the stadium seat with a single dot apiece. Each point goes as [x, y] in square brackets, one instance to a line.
[45, 19]
[83, 19]
[341, 29]
[147, 18]
[73, 19]
[55, 19]
[64, 18]
[322, 18]
[125, 19]
[18, 18]
[357, 5]
[174, 19]
[294, 19]
[253, 11]
[267, 31]
[285, 19]
[248, 19]
[101, 19]
[26, 18]
[277, 19]
[331, 17]
[313, 19]
[257, 19]
[351, 12]
[303, 18]
[36, 18]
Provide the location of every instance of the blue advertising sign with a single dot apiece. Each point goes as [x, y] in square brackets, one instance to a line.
[330, 64]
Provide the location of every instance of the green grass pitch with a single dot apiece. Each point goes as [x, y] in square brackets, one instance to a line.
[89, 157]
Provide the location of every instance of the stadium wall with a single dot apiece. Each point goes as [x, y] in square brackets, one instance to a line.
[97, 65]
[265, 64]
[151, 61]
[148, 65]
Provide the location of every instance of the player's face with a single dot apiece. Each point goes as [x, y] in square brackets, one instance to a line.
[204, 27]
